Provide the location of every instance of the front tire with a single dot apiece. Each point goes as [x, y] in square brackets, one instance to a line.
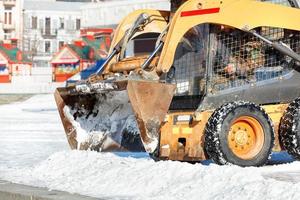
[239, 133]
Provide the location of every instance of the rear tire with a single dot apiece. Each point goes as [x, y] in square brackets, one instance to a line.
[289, 129]
[239, 133]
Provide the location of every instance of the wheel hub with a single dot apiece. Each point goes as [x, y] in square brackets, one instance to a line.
[245, 137]
[241, 137]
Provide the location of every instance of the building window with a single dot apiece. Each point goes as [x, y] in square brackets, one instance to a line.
[60, 44]
[77, 24]
[48, 26]
[34, 22]
[5, 18]
[10, 18]
[61, 23]
[14, 42]
[47, 46]
[7, 34]
[7, 15]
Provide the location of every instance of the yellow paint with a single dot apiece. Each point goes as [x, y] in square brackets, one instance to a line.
[175, 130]
[275, 112]
[275, 108]
[187, 130]
[245, 14]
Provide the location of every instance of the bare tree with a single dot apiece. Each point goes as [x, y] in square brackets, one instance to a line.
[32, 44]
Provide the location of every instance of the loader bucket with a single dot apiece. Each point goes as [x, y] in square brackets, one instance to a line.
[127, 118]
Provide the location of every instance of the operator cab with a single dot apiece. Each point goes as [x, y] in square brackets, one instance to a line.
[213, 59]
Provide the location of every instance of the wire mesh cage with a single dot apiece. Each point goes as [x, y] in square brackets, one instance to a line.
[236, 58]
[290, 3]
[241, 58]
[190, 61]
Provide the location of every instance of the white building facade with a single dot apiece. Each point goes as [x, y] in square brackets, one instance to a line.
[11, 19]
[48, 26]
[110, 13]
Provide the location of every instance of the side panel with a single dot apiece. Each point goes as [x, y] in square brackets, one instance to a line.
[182, 140]
[283, 89]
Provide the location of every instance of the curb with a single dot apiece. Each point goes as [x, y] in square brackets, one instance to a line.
[12, 191]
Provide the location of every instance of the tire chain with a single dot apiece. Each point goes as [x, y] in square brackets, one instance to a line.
[287, 132]
[212, 143]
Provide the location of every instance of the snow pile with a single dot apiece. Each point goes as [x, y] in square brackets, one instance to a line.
[109, 176]
[111, 116]
[30, 131]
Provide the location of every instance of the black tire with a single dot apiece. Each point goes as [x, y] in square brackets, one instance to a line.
[289, 129]
[218, 127]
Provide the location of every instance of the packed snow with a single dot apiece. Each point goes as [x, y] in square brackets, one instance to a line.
[34, 152]
[102, 126]
[30, 131]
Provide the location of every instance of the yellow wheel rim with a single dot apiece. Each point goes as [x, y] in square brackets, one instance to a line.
[246, 137]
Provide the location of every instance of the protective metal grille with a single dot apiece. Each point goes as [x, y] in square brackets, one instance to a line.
[190, 61]
[240, 58]
[281, 2]
[236, 57]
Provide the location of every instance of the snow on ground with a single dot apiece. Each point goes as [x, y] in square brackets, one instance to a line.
[112, 177]
[31, 131]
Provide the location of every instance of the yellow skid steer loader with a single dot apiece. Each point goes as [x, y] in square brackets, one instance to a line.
[221, 83]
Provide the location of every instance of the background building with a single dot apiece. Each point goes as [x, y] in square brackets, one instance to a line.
[81, 54]
[12, 63]
[11, 20]
[41, 27]
[110, 13]
[48, 26]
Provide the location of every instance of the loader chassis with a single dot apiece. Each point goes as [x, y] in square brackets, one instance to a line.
[234, 66]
